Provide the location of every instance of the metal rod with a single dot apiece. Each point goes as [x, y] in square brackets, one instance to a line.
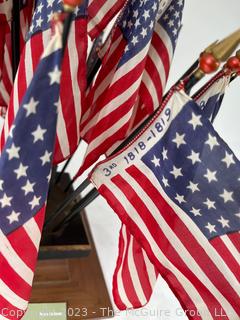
[15, 37]
[66, 28]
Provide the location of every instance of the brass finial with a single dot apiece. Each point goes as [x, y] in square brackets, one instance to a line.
[224, 49]
[70, 5]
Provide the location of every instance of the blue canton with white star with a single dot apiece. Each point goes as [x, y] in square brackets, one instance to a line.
[25, 164]
[171, 20]
[44, 11]
[199, 172]
[137, 25]
[138, 22]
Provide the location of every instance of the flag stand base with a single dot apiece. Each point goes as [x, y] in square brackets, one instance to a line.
[70, 272]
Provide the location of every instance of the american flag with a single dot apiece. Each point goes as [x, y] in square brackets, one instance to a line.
[73, 84]
[134, 72]
[6, 47]
[176, 188]
[133, 266]
[100, 13]
[25, 170]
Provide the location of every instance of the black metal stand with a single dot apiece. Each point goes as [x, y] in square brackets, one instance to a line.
[15, 34]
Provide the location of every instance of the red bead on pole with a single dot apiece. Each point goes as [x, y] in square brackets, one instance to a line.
[70, 5]
[233, 64]
[208, 63]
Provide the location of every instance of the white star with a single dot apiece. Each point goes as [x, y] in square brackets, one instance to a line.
[5, 201]
[31, 107]
[50, 15]
[21, 171]
[228, 159]
[28, 187]
[39, 22]
[175, 31]
[227, 196]
[177, 172]
[46, 157]
[237, 215]
[35, 202]
[156, 161]
[151, 25]
[180, 198]
[164, 154]
[130, 24]
[210, 204]
[38, 134]
[212, 141]
[146, 14]
[165, 182]
[194, 157]
[135, 13]
[179, 140]
[55, 76]
[196, 212]
[171, 8]
[193, 186]
[144, 32]
[195, 121]
[176, 14]
[171, 23]
[134, 40]
[137, 23]
[154, 7]
[166, 17]
[180, 3]
[211, 227]
[1, 184]
[39, 8]
[210, 175]
[50, 3]
[13, 152]
[224, 222]
[13, 217]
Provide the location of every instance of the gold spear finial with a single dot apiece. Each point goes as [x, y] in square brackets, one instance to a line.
[225, 48]
[217, 52]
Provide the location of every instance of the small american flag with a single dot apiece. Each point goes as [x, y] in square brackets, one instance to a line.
[176, 188]
[73, 84]
[135, 276]
[100, 13]
[25, 170]
[6, 80]
[134, 73]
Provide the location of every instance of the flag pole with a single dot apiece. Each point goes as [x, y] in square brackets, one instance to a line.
[209, 62]
[15, 37]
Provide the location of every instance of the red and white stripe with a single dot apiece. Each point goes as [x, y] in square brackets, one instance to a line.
[118, 93]
[72, 88]
[135, 276]
[18, 256]
[101, 12]
[203, 274]
[6, 48]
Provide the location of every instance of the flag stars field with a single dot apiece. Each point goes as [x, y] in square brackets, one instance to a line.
[193, 187]
[210, 175]
[176, 172]
[1, 184]
[35, 202]
[195, 212]
[210, 204]
[224, 222]
[211, 227]
[28, 187]
[156, 161]
[228, 160]
[227, 196]
[46, 157]
[194, 157]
